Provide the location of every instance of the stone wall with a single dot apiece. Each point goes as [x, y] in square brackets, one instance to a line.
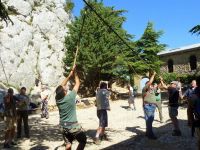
[34, 46]
[181, 61]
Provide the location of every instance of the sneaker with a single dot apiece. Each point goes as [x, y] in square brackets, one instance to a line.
[97, 141]
[6, 145]
[105, 137]
[176, 133]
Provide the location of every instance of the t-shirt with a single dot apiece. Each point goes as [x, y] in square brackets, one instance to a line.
[158, 94]
[102, 99]
[23, 102]
[148, 94]
[10, 107]
[173, 96]
[67, 110]
[189, 92]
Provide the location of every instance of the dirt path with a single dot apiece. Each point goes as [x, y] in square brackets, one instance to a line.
[126, 131]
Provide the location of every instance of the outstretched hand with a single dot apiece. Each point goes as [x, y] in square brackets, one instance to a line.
[72, 71]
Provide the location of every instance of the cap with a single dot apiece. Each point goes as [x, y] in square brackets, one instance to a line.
[174, 82]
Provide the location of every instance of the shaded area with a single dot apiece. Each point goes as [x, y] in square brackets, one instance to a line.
[40, 131]
[165, 140]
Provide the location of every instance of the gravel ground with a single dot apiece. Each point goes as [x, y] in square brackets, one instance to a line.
[125, 131]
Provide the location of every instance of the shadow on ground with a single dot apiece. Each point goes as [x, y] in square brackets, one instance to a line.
[40, 131]
[165, 140]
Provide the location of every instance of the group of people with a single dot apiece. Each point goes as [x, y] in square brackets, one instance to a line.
[150, 102]
[151, 95]
[15, 111]
[17, 106]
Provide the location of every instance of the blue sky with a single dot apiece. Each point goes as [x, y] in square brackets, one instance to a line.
[174, 17]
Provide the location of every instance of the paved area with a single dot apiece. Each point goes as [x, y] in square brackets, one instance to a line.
[125, 132]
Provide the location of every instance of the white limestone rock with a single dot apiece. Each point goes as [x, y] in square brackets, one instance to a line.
[34, 46]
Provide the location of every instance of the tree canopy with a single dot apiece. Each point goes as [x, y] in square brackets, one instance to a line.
[148, 46]
[102, 54]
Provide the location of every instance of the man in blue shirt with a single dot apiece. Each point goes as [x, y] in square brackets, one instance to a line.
[188, 94]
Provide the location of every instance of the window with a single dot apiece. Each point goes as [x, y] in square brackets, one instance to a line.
[170, 66]
[193, 62]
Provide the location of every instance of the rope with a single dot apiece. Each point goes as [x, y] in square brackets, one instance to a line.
[109, 26]
[4, 70]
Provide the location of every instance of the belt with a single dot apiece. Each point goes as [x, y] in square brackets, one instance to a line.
[149, 103]
[68, 123]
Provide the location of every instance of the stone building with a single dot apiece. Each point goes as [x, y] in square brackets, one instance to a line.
[184, 60]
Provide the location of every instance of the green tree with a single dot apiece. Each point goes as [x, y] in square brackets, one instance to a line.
[148, 46]
[102, 54]
[195, 30]
[3, 13]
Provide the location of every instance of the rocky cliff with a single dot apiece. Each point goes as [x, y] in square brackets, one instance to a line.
[33, 47]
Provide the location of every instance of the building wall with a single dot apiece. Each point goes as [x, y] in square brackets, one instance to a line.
[181, 61]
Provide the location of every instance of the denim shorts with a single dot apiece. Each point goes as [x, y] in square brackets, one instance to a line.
[103, 118]
[173, 111]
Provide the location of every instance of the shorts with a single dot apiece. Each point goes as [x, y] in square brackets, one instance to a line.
[131, 100]
[10, 123]
[173, 112]
[69, 136]
[103, 118]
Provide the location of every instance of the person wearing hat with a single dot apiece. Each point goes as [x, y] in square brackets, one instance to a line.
[173, 105]
[10, 118]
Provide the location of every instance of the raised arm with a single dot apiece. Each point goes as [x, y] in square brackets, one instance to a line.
[64, 82]
[152, 78]
[77, 82]
[163, 84]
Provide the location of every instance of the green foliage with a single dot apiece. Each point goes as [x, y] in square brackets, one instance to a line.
[102, 55]
[148, 46]
[169, 77]
[184, 78]
[4, 13]
[69, 6]
[195, 30]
